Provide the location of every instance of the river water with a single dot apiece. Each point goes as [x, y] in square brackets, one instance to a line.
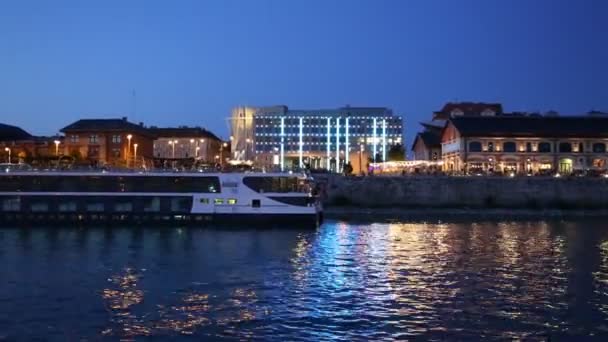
[345, 281]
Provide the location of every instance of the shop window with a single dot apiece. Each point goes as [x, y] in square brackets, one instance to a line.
[599, 163]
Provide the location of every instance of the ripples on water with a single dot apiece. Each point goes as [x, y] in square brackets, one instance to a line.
[384, 281]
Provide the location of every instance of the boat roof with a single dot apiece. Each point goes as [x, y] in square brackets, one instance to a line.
[150, 173]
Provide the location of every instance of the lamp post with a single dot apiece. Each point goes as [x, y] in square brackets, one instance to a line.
[129, 136]
[57, 142]
[9, 154]
[206, 152]
[222, 153]
[172, 143]
[247, 141]
[135, 155]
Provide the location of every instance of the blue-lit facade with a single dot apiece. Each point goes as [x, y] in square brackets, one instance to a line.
[321, 138]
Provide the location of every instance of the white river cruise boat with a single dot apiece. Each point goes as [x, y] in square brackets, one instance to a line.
[242, 199]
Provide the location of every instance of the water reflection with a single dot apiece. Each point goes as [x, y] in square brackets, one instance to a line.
[344, 281]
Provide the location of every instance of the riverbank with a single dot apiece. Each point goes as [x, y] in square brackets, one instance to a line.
[462, 194]
[434, 214]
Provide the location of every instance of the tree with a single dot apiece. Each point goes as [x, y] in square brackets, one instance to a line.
[396, 153]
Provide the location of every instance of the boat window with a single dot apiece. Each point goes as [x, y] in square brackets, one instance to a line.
[67, 206]
[123, 206]
[218, 201]
[272, 184]
[11, 204]
[204, 200]
[151, 204]
[256, 203]
[181, 204]
[108, 183]
[95, 207]
[231, 201]
[40, 206]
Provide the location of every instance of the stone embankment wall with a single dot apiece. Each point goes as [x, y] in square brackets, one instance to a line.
[466, 192]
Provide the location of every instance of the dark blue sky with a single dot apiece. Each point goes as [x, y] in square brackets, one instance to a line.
[191, 61]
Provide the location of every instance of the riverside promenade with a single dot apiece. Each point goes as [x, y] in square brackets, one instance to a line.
[466, 192]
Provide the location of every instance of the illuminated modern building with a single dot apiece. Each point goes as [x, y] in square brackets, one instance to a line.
[321, 138]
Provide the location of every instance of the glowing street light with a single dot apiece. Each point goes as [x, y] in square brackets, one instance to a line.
[9, 154]
[135, 154]
[129, 136]
[57, 142]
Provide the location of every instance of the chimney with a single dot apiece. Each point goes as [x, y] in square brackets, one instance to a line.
[124, 118]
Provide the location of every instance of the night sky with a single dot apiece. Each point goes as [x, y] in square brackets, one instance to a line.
[190, 62]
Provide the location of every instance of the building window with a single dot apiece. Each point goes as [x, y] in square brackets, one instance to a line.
[11, 204]
[599, 148]
[509, 146]
[116, 139]
[528, 147]
[544, 147]
[581, 148]
[565, 147]
[93, 139]
[474, 146]
[116, 152]
[490, 147]
[73, 139]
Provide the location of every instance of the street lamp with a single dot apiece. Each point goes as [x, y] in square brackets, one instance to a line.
[135, 154]
[222, 152]
[172, 143]
[129, 136]
[9, 154]
[57, 142]
[206, 152]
